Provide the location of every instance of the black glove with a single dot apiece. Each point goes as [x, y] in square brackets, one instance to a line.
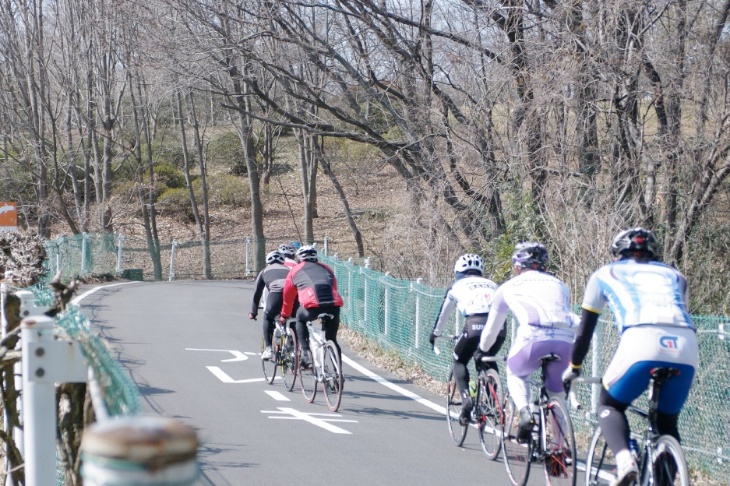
[432, 339]
[571, 373]
[478, 355]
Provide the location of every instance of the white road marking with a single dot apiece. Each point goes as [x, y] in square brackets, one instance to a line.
[394, 387]
[290, 413]
[277, 396]
[237, 355]
[223, 376]
[78, 299]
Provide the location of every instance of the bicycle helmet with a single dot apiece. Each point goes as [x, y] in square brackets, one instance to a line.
[469, 261]
[287, 250]
[307, 253]
[274, 257]
[635, 240]
[531, 255]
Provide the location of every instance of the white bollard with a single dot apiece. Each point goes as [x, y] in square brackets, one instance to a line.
[139, 450]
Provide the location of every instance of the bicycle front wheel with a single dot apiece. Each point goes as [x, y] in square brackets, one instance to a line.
[517, 455]
[600, 463]
[490, 413]
[290, 361]
[453, 410]
[560, 454]
[669, 466]
[308, 378]
[269, 365]
[332, 381]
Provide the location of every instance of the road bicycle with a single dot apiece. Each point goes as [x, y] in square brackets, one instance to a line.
[660, 458]
[487, 413]
[284, 355]
[551, 442]
[327, 366]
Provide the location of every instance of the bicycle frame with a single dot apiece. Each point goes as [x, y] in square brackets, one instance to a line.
[654, 444]
[327, 368]
[551, 441]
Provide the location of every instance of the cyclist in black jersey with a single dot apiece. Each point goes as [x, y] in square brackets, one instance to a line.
[470, 293]
[271, 278]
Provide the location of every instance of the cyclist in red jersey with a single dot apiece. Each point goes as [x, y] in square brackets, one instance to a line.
[315, 285]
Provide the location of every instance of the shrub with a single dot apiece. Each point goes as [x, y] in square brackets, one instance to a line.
[228, 190]
[223, 190]
[226, 151]
[168, 175]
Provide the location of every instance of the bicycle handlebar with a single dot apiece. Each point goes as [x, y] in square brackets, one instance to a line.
[450, 337]
[571, 392]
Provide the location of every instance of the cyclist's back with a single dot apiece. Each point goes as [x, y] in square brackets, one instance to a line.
[649, 303]
[471, 294]
[272, 278]
[315, 285]
[543, 326]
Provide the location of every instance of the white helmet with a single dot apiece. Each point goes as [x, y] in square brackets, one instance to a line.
[274, 257]
[287, 250]
[469, 261]
[307, 254]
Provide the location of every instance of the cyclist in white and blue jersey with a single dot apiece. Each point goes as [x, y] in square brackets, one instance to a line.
[649, 303]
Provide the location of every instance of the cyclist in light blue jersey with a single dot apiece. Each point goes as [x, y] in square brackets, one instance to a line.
[649, 303]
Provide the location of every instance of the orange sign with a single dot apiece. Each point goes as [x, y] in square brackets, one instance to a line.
[8, 216]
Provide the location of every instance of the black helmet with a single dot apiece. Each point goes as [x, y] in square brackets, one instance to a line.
[307, 254]
[530, 254]
[274, 257]
[287, 250]
[635, 240]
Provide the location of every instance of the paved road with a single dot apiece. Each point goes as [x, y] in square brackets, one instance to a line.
[195, 356]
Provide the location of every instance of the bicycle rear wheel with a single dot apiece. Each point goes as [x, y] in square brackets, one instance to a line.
[490, 413]
[269, 365]
[290, 361]
[308, 378]
[670, 465]
[453, 410]
[600, 463]
[560, 454]
[332, 381]
[517, 456]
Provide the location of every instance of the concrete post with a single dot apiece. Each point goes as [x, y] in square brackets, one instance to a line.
[144, 451]
[45, 362]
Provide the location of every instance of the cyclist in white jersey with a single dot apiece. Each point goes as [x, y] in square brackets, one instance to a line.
[649, 303]
[543, 326]
[471, 294]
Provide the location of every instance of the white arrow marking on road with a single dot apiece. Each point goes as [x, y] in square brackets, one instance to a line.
[237, 355]
[223, 376]
[309, 417]
[277, 396]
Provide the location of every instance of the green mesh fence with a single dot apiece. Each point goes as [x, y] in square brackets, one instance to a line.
[119, 392]
[141, 259]
[399, 315]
